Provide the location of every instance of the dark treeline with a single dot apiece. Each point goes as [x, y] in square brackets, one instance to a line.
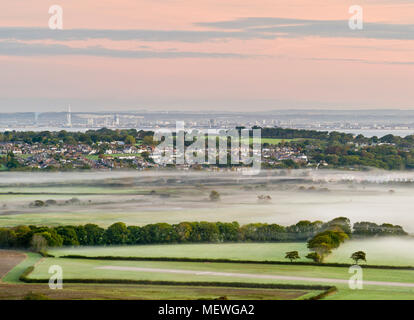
[108, 135]
[281, 133]
[335, 136]
[39, 238]
[72, 138]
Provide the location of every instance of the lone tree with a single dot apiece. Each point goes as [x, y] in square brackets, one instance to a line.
[292, 255]
[214, 195]
[359, 255]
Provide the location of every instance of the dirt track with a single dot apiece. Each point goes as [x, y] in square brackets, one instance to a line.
[257, 276]
[8, 260]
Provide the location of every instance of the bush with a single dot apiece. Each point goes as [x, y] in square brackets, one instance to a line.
[214, 196]
[38, 204]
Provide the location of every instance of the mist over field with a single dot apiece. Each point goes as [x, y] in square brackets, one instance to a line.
[139, 198]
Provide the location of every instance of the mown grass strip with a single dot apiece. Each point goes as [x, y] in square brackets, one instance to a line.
[173, 259]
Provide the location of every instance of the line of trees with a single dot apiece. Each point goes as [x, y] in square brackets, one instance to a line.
[331, 237]
[338, 230]
[332, 232]
[108, 135]
[89, 137]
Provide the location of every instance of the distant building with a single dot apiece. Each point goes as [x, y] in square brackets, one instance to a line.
[69, 118]
[116, 120]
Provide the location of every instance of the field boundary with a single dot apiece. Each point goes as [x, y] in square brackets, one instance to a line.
[326, 290]
[173, 259]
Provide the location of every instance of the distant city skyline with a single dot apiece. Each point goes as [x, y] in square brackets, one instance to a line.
[237, 55]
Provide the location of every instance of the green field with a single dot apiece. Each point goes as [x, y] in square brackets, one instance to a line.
[90, 269]
[395, 252]
[272, 140]
[12, 288]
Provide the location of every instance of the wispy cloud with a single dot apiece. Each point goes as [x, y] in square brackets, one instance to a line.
[363, 61]
[243, 28]
[16, 48]
[292, 28]
[24, 33]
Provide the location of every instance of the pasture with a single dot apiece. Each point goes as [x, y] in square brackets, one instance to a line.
[230, 272]
[382, 251]
[173, 200]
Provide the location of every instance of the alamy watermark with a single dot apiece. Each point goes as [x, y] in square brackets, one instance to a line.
[356, 21]
[355, 282]
[56, 20]
[56, 280]
[209, 147]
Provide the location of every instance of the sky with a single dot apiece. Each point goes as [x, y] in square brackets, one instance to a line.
[215, 55]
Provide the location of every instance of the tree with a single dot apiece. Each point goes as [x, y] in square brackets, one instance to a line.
[341, 222]
[69, 235]
[130, 140]
[359, 255]
[11, 162]
[50, 202]
[38, 204]
[38, 243]
[52, 238]
[325, 241]
[292, 255]
[149, 141]
[183, 231]
[94, 234]
[214, 195]
[117, 233]
[314, 256]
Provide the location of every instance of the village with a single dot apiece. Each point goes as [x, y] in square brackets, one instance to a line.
[118, 154]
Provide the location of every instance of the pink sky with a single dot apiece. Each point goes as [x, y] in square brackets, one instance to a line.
[240, 67]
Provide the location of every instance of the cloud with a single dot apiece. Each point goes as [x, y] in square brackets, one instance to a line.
[292, 28]
[24, 33]
[15, 48]
[407, 63]
[243, 29]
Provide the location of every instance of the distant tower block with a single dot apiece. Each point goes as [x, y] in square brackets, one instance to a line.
[69, 118]
[116, 120]
[36, 117]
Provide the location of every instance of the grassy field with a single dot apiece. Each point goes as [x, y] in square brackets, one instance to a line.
[89, 269]
[274, 140]
[189, 202]
[12, 266]
[395, 252]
